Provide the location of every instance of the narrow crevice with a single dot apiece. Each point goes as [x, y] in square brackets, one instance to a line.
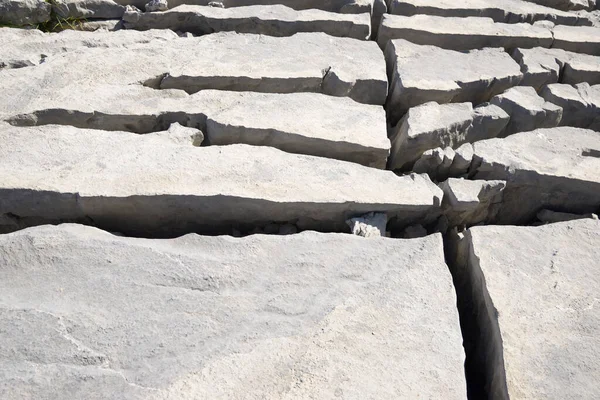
[484, 361]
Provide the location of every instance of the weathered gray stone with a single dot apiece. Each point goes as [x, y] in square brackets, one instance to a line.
[511, 11]
[579, 39]
[28, 47]
[580, 103]
[432, 125]
[461, 33]
[414, 231]
[528, 303]
[305, 62]
[527, 110]
[557, 168]
[339, 6]
[430, 161]
[471, 202]
[369, 225]
[156, 5]
[97, 9]
[197, 317]
[462, 160]
[100, 24]
[544, 66]
[275, 20]
[551, 217]
[150, 186]
[304, 123]
[24, 12]
[419, 74]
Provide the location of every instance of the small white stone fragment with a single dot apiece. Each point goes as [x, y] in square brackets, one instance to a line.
[216, 4]
[157, 5]
[369, 225]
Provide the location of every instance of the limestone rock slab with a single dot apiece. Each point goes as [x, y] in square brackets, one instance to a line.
[580, 103]
[84, 9]
[528, 111]
[305, 62]
[85, 312]
[151, 186]
[303, 123]
[274, 20]
[29, 47]
[471, 202]
[432, 125]
[419, 74]
[461, 33]
[557, 168]
[24, 12]
[544, 66]
[510, 11]
[337, 6]
[505, 275]
[579, 39]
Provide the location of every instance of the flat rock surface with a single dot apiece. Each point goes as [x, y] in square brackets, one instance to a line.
[28, 47]
[557, 168]
[300, 316]
[274, 20]
[419, 74]
[510, 11]
[580, 39]
[552, 354]
[305, 62]
[462, 33]
[303, 123]
[338, 6]
[150, 186]
[544, 66]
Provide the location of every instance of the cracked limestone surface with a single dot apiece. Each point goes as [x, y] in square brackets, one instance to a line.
[510, 11]
[419, 74]
[305, 62]
[274, 20]
[556, 168]
[538, 289]
[544, 66]
[290, 317]
[462, 33]
[149, 185]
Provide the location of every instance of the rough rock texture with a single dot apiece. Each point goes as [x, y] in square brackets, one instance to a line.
[156, 5]
[273, 20]
[468, 202]
[511, 11]
[24, 12]
[149, 186]
[22, 48]
[514, 348]
[301, 316]
[544, 66]
[369, 225]
[432, 125]
[97, 9]
[304, 123]
[579, 39]
[338, 6]
[305, 62]
[461, 33]
[419, 74]
[527, 110]
[580, 103]
[557, 168]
